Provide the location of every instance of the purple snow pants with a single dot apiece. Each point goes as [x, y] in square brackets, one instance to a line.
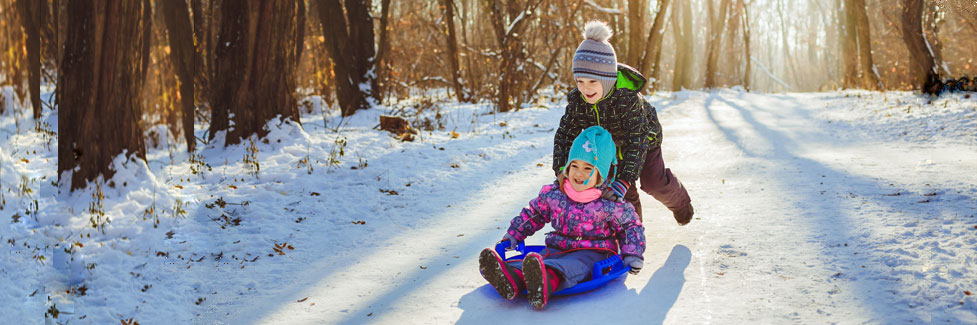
[658, 181]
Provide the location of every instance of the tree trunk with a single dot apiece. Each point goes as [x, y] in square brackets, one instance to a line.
[202, 54]
[849, 46]
[147, 34]
[362, 37]
[506, 66]
[684, 49]
[180, 35]
[813, 52]
[715, 39]
[198, 20]
[513, 50]
[636, 16]
[870, 78]
[731, 61]
[653, 50]
[935, 44]
[100, 89]
[832, 52]
[30, 16]
[212, 22]
[49, 41]
[383, 47]
[466, 12]
[448, 8]
[350, 46]
[57, 37]
[300, 29]
[922, 66]
[788, 57]
[255, 67]
[746, 43]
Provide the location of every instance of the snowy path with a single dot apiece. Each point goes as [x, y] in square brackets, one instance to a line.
[798, 219]
[838, 207]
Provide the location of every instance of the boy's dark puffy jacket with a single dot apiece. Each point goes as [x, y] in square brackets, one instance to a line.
[631, 120]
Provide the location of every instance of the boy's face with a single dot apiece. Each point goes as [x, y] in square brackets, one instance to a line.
[591, 89]
[581, 172]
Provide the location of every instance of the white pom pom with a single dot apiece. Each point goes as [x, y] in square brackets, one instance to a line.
[597, 30]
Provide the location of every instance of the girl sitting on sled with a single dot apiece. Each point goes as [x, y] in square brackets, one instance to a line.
[587, 228]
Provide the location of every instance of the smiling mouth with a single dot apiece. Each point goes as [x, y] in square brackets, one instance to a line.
[591, 95]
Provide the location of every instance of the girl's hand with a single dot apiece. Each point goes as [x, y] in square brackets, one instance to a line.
[513, 243]
[615, 191]
[635, 263]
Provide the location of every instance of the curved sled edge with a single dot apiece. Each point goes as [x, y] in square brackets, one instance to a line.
[603, 272]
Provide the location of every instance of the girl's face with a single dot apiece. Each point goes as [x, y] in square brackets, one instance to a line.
[591, 89]
[580, 173]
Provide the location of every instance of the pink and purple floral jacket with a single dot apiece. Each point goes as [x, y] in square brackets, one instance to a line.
[597, 224]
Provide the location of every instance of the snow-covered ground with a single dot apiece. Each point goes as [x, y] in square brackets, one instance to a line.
[840, 207]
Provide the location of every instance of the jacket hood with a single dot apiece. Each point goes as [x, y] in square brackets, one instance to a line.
[629, 78]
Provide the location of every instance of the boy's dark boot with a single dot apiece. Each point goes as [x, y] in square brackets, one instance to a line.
[506, 279]
[540, 282]
[684, 215]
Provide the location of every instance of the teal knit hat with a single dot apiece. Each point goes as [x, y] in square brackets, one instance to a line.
[596, 147]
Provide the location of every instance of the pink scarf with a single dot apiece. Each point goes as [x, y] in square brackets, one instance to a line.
[583, 197]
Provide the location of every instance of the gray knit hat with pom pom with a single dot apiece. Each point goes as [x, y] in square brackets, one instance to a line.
[595, 57]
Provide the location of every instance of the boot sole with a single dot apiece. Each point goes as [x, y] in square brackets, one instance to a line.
[490, 264]
[536, 287]
[686, 218]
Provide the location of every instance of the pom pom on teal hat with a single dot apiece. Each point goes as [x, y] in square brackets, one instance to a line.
[594, 146]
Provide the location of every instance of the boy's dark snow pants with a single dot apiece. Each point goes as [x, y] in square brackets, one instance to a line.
[658, 181]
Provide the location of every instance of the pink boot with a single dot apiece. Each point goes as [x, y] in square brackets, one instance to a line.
[540, 281]
[505, 279]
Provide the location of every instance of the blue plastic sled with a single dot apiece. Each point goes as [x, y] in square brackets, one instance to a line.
[604, 271]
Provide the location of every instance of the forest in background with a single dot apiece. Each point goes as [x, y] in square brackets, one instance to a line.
[122, 68]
